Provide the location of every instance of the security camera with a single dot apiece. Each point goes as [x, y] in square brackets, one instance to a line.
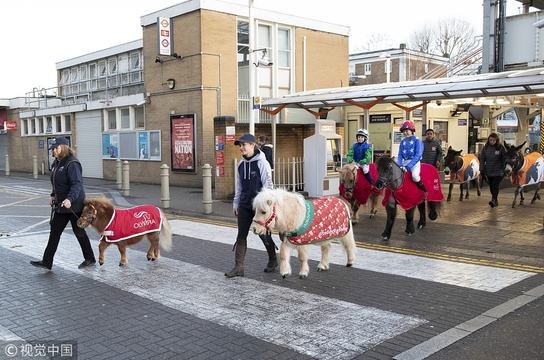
[140, 103]
[438, 102]
[264, 62]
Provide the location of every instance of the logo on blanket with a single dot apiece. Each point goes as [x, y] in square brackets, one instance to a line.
[126, 223]
[147, 220]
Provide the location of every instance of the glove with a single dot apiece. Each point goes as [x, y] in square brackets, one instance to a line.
[403, 168]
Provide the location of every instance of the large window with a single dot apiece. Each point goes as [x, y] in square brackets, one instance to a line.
[41, 125]
[128, 118]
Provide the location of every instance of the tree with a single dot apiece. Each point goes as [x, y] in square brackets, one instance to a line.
[375, 42]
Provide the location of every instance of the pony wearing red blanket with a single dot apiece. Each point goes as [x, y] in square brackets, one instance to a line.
[401, 189]
[125, 227]
[301, 222]
[357, 191]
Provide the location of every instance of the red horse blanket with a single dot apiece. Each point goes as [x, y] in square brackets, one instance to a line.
[531, 172]
[326, 218]
[409, 195]
[468, 172]
[126, 223]
[362, 189]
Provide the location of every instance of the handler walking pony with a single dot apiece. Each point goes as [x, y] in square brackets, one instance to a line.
[524, 171]
[462, 169]
[125, 227]
[301, 222]
[401, 189]
[356, 192]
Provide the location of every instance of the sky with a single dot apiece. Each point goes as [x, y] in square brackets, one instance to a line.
[41, 33]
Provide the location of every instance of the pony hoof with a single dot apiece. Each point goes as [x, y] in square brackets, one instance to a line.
[101, 263]
[408, 233]
[349, 265]
[448, 199]
[283, 276]
[420, 227]
[385, 237]
[122, 265]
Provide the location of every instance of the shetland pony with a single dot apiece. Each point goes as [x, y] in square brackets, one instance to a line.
[524, 171]
[357, 191]
[301, 222]
[462, 169]
[401, 189]
[125, 227]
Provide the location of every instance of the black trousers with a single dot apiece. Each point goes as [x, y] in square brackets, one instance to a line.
[58, 224]
[494, 182]
[245, 218]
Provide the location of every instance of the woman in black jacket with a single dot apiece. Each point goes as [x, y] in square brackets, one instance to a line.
[67, 204]
[492, 165]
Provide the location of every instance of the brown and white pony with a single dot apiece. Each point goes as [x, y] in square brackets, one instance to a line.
[357, 191]
[301, 222]
[125, 227]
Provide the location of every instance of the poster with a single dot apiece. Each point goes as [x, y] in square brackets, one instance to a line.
[110, 146]
[182, 129]
[143, 146]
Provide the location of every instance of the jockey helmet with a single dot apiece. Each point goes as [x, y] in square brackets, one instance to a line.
[408, 125]
[362, 132]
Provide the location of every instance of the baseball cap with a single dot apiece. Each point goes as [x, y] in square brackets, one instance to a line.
[245, 138]
[59, 141]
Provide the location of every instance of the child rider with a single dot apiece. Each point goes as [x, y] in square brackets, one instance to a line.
[410, 153]
[361, 153]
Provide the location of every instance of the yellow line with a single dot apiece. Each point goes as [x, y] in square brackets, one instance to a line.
[461, 259]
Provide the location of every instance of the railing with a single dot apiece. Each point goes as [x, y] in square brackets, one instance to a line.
[244, 107]
[287, 173]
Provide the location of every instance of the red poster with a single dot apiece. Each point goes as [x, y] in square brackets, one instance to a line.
[183, 142]
[219, 158]
[220, 171]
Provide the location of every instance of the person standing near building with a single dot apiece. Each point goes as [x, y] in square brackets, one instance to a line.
[254, 174]
[361, 153]
[267, 148]
[432, 151]
[67, 204]
[492, 165]
[410, 153]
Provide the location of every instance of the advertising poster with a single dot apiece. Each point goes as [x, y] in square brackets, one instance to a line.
[155, 145]
[110, 146]
[143, 146]
[182, 128]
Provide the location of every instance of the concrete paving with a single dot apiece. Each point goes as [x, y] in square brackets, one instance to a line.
[426, 296]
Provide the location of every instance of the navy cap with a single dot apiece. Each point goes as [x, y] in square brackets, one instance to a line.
[59, 141]
[245, 138]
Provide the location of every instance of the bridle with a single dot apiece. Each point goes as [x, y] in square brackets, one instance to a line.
[514, 165]
[268, 221]
[355, 171]
[388, 180]
[93, 216]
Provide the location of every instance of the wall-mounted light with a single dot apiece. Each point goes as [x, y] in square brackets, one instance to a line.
[171, 83]
[158, 60]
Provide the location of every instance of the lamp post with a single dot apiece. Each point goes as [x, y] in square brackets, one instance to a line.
[252, 69]
[387, 58]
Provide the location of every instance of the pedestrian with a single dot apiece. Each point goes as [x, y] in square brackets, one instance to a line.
[66, 204]
[410, 153]
[432, 151]
[492, 165]
[361, 153]
[267, 148]
[254, 174]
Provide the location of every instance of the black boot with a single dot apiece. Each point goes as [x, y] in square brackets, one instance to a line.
[422, 187]
[239, 256]
[368, 176]
[271, 250]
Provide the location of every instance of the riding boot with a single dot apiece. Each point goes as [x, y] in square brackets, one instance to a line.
[495, 202]
[239, 256]
[368, 176]
[422, 187]
[271, 250]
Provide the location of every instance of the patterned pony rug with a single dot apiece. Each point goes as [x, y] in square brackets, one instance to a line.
[532, 171]
[326, 218]
[409, 195]
[127, 223]
[469, 171]
[362, 189]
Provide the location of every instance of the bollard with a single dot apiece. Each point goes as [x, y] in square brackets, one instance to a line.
[7, 165]
[35, 166]
[126, 179]
[118, 174]
[207, 188]
[43, 168]
[165, 186]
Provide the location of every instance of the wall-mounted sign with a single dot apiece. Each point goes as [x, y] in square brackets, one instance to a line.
[164, 27]
[183, 140]
[380, 118]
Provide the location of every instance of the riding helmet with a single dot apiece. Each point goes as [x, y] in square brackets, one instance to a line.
[362, 132]
[408, 125]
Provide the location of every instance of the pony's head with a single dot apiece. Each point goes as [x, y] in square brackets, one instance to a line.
[348, 177]
[451, 160]
[94, 210]
[513, 159]
[264, 205]
[383, 165]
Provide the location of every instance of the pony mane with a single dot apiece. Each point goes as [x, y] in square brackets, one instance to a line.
[383, 163]
[289, 207]
[346, 170]
[104, 209]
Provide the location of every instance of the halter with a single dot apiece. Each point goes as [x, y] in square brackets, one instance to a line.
[388, 180]
[520, 159]
[355, 171]
[93, 216]
[268, 221]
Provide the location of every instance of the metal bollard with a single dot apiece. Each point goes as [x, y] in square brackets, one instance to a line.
[7, 165]
[35, 166]
[119, 174]
[126, 179]
[207, 188]
[165, 186]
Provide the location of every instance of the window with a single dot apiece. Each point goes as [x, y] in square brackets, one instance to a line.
[24, 125]
[58, 122]
[48, 125]
[284, 48]
[74, 86]
[93, 75]
[368, 68]
[112, 119]
[83, 78]
[102, 73]
[135, 68]
[123, 69]
[40, 125]
[67, 123]
[139, 117]
[125, 119]
[112, 73]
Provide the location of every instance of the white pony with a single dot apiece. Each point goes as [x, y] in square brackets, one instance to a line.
[301, 222]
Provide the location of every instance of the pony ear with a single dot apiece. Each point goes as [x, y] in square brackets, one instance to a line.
[269, 202]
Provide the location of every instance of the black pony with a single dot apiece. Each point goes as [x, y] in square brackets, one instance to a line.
[463, 170]
[392, 178]
[524, 171]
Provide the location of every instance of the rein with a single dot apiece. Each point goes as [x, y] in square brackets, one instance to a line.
[268, 221]
[388, 180]
[93, 216]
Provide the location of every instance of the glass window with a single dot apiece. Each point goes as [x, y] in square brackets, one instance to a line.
[112, 119]
[102, 72]
[368, 69]
[93, 75]
[48, 125]
[24, 125]
[58, 122]
[139, 121]
[33, 126]
[83, 78]
[125, 118]
[40, 126]
[284, 48]
[67, 123]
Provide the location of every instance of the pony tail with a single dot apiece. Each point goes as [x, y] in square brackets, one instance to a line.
[165, 235]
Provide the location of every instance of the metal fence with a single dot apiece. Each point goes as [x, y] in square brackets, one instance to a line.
[288, 173]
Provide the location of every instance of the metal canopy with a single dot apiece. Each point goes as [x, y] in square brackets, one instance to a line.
[509, 83]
